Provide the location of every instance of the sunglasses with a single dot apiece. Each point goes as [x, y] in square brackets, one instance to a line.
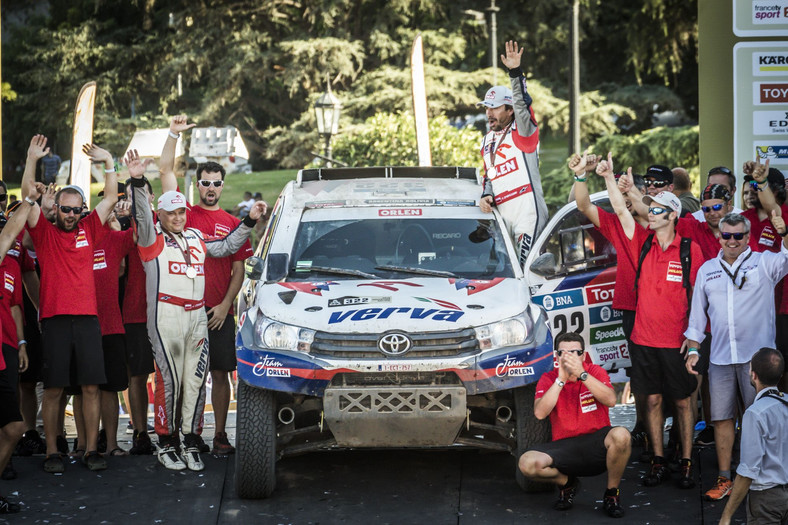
[3, 196]
[738, 235]
[720, 169]
[209, 183]
[76, 210]
[657, 183]
[715, 207]
[576, 352]
[658, 210]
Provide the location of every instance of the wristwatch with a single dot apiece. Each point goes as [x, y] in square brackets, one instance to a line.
[30, 201]
[583, 376]
[559, 382]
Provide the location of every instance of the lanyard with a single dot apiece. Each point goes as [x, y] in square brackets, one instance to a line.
[733, 277]
[494, 147]
[186, 255]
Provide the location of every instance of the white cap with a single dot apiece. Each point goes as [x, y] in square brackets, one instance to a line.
[665, 198]
[171, 201]
[497, 96]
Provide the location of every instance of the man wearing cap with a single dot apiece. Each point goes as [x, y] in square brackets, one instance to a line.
[223, 276]
[174, 257]
[736, 291]
[661, 315]
[658, 178]
[68, 310]
[724, 176]
[511, 162]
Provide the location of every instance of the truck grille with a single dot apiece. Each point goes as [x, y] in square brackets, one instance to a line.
[359, 346]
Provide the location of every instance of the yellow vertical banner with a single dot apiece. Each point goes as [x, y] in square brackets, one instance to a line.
[83, 134]
[420, 103]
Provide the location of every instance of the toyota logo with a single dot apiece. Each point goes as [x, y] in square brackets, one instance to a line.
[394, 344]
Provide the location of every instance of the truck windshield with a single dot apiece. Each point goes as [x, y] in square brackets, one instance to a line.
[400, 248]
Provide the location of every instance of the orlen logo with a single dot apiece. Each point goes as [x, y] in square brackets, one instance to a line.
[400, 212]
[178, 268]
[773, 93]
[506, 168]
[600, 293]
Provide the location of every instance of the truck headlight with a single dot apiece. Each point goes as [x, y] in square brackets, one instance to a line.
[280, 336]
[509, 332]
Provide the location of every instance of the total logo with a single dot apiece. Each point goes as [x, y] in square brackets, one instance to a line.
[513, 368]
[600, 293]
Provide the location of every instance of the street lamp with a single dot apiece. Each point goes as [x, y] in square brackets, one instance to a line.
[327, 109]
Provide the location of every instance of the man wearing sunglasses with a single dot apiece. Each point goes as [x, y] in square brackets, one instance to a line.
[68, 310]
[3, 196]
[724, 176]
[576, 396]
[660, 320]
[658, 179]
[736, 291]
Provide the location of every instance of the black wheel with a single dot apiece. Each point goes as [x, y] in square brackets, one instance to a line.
[530, 431]
[255, 442]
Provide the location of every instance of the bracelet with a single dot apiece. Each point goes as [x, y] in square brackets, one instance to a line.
[693, 351]
[111, 170]
[783, 234]
[30, 201]
[580, 179]
[173, 135]
[21, 342]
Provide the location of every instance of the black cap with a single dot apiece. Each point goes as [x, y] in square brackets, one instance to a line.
[716, 191]
[659, 172]
[775, 178]
[121, 190]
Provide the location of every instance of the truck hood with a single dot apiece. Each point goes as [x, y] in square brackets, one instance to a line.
[412, 305]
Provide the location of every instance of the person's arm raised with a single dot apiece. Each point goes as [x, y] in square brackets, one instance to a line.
[98, 155]
[605, 170]
[35, 151]
[578, 166]
[178, 125]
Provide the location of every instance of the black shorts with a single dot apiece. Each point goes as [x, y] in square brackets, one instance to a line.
[661, 371]
[76, 338]
[35, 353]
[9, 400]
[702, 366]
[578, 456]
[139, 352]
[221, 346]
[115, 367]
[628, 324]
[782, 334]
[11, 371]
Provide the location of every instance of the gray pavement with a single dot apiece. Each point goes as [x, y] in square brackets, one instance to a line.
[458, 486]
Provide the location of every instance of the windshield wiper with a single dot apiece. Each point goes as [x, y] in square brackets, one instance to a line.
[336, 271]
[419, 271]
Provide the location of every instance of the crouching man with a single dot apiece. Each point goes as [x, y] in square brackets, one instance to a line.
[576, 396]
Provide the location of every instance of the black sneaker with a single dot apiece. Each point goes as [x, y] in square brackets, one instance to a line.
[94, 461]
[639, 438]
[202, 446]
[62, 445]
[141, 445]
[611, 502]
[101, 444]
[6, 507]
[566, 494]
[221, 445]
[659, 472]
[31, 443]
[9, 472]
[705, 437]
[54, 464]
[687, 480]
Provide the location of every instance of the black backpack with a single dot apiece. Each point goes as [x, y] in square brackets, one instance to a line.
[686, 262]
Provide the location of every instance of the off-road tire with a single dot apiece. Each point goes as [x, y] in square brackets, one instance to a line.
[530, 431]
[255, 442]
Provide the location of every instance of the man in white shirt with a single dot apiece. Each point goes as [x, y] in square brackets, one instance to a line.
[736, 290]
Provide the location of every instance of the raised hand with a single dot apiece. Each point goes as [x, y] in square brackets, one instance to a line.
[97, 154]
[123, 208]
[513, 56]
[258, 210]
[135, 165]
[748, 167]
[47, 195]
[778, 222]
[578, 163]
[760, 171]
[605, 167]
[179, 124]
[625, 182]
[37, 148]
[591, 162]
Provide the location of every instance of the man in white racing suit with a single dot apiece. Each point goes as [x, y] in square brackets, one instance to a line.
[173, 257]
[511, 162]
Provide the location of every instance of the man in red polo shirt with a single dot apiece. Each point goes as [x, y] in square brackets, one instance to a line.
[660, 320]
[223, 276]
[68, 313]
[576, 396]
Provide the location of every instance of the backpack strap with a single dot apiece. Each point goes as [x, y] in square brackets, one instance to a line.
[643, 253]
[686, 266]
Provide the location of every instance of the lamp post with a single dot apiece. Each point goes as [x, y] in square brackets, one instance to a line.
[327, 109]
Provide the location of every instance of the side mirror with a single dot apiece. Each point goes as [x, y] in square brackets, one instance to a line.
[254, 268]
[276, 270]
[544, 265]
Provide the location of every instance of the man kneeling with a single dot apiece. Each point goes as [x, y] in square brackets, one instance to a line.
[576, 396]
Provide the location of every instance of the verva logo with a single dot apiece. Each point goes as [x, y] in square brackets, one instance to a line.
[179, 268]
[400, 212]
[600, 293]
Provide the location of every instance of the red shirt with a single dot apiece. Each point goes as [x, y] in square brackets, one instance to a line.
[66, 262]
[577, 412]
[763, 237]
[624, 291]
[135, 306]
[217, 224]
[106, 270]
[661, 313]
[701, 233]
[10, 295]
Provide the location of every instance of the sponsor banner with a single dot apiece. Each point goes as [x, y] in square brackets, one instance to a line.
[506, 196]
[270, 367]
[604, 314]
[400, 212]
[221, 230]
[770, 63]
[352, 301]
[397, 202]
[600, 293]
[561, 300]
[770, 122]
[610, 352]
[366, 314]
[513, 367]
[315, 205]
[99, 260]
[81, 239]
[503, 169]
[8, 282]
[769, 12]
[770, 93]
[179, 268]
[776, 152]
[606, 334]
[674, 272]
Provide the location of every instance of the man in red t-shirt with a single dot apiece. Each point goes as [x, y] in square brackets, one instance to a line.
[68, 310]
[223, 276]
[660, 320]
[576, 397]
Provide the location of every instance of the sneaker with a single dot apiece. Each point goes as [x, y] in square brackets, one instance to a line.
[169, 457]
[101, 444]
[94, 461]
[201, 445]
[151, 429]
[611, 502]
[54, 464]
[722, 488]
[62, 445]
[130, 428]
[705, 437]
[221, 445]
[687, 480]
[659, 472]
[9, 472]
[141, 445]
[639, 437]
[566, 494]
[6, 507]
[31, 443]
[190, 452]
